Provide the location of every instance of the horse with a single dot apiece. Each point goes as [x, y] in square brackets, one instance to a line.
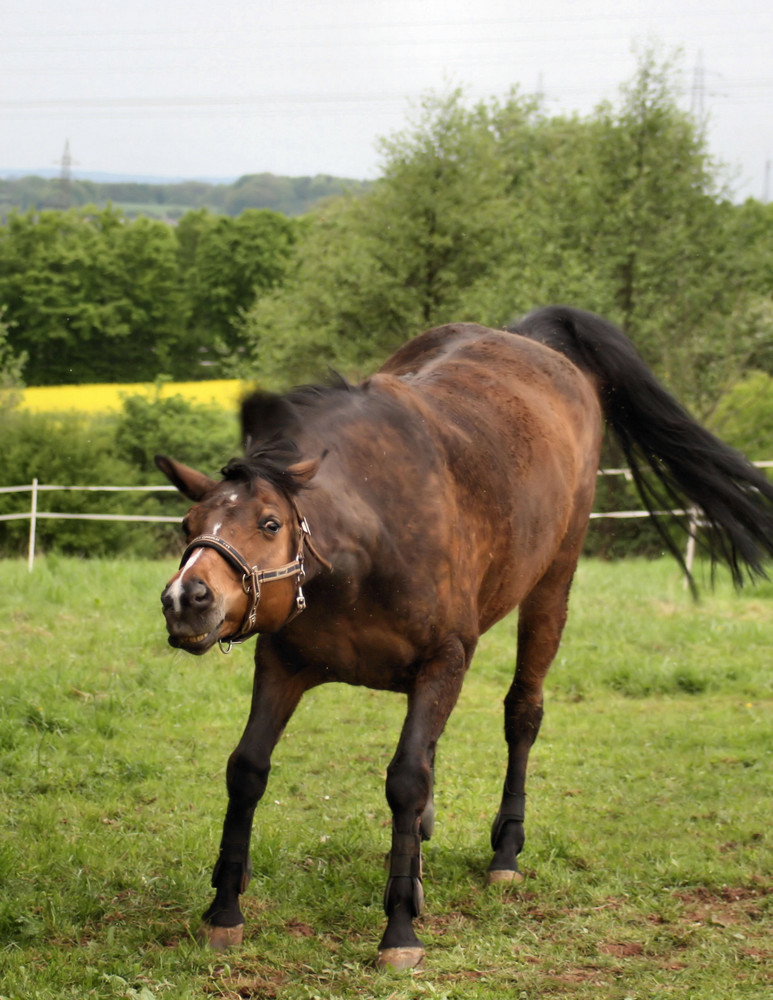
[371, 532]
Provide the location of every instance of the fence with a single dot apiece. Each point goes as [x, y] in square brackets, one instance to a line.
[34, 515]
[35, 489]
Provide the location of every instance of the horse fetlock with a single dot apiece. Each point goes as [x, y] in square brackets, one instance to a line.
[509, 819]
[229, 879]
[223, 912]
[507, 833]
[404, 891]
[232, 874]
[507, 840]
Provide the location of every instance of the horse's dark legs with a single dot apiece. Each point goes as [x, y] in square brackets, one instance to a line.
[276, 694]
[541, 621]
[409, 793]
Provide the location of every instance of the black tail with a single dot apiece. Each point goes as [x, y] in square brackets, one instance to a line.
[691, 466]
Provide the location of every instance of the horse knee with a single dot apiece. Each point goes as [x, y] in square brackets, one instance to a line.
[246, 777]
[408, 785]
[523, 717]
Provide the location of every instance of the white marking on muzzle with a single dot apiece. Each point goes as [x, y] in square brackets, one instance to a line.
[176, 586]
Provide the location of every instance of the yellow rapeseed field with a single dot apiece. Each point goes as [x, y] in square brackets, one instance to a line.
[109, 398]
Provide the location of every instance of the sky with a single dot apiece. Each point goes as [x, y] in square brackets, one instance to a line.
[220, 88]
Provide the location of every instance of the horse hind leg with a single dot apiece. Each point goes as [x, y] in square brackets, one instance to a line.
[409, 793]
[540, 624]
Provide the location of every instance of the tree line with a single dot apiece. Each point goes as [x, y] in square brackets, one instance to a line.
[481, 212]
[288, 195]
[484, 212]
[91, 296]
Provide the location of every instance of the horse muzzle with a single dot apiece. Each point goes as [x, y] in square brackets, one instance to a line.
[194, 614]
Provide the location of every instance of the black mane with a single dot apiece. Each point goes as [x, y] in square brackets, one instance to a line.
[271, 423]
[270, 462]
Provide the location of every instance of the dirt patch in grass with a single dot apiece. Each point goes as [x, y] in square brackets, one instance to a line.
[244, 984]
[297, 928]
[621, 949]
[725, 907]
[571, 976]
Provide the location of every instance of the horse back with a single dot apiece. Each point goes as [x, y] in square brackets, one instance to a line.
[519, 426]
[499, 399]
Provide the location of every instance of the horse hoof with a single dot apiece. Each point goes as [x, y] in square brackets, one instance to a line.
[500, 875]
[400, 958]
[220, 938]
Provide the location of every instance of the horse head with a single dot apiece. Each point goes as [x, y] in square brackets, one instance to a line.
[243, 564]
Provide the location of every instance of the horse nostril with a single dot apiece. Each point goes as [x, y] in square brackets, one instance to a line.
[197, 594]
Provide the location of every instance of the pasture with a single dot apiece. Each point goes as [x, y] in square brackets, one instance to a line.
[649, 848]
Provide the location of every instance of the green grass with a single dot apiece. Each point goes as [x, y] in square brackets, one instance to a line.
[648, 853]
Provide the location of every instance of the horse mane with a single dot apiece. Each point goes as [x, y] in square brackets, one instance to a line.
[271, 423]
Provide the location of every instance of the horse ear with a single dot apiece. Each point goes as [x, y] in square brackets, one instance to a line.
[192, 484]
[303, 472]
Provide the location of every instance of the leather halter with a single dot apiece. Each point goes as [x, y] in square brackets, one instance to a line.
[253, 577]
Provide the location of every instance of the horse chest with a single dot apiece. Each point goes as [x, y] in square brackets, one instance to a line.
[369, 651]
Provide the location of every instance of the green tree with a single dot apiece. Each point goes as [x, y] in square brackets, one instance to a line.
[205, 436]
[226, 264]
[11, 366]
[91, 296]
[483, 213]
[624, 213]
[659, 225]
[373, 269]
[744, 416]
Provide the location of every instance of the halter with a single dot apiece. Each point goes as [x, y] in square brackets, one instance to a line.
[252, 577]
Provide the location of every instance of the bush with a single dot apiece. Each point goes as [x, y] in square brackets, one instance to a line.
[70, 449]
[66, 450]
[204, 436]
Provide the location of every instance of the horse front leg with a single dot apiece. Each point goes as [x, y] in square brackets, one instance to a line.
[409, 794]
[276, 693]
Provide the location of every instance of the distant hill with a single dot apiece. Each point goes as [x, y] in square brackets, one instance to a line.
[171, 199]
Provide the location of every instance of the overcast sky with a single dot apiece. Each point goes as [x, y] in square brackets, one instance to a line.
[221, 88]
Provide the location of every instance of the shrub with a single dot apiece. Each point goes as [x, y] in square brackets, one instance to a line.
[73, 449]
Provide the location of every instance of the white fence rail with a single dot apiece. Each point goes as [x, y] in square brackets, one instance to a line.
[35, 489]
[34, 515]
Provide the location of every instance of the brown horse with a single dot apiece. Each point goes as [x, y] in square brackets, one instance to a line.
[407, 515]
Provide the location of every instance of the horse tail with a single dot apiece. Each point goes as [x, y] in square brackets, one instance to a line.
[674, 461]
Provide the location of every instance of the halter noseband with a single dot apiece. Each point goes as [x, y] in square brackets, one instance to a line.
[252, 577]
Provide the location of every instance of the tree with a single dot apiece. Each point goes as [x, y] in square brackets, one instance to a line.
[90, 296]
[374, 268]
[659, 229]
[11, 366]
[95, 297]
[230, 263]
[485, 212]
[744, 417]
[624, 213]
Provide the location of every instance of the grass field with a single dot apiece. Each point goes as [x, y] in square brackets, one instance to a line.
[649, 847]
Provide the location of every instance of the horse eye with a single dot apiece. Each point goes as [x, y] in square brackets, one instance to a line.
[271, 525]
